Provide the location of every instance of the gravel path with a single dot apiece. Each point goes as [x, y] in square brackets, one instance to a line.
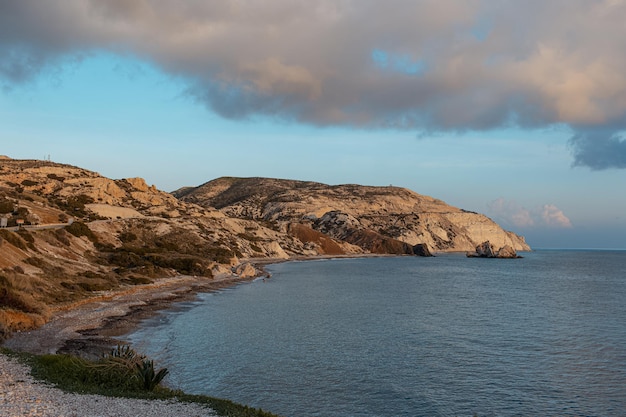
[21, 395]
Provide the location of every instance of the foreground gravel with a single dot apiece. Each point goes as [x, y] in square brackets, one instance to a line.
[21, 395]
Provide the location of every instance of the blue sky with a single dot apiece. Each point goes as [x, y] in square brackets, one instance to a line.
[543, 156]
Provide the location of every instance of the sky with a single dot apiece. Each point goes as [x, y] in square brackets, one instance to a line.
[514, 109]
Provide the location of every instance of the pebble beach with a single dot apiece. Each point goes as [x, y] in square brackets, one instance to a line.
[22, 395]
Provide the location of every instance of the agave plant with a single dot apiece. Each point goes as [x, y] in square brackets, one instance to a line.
[147, 375]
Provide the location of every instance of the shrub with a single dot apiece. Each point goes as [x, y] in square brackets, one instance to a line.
[6, 206]
[75, 205]
[220, 254]
[47, 268]
[126, 259]
[11, 298]
[62, 237]
[127, 237]
[13, 238]
[147, 375]
[29, 183]
[55, 177]
[189, 265]
[79, 229]
[24, 234]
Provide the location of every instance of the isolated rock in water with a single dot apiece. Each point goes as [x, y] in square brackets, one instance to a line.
[506, 252]
[486, 250]
[422, 249]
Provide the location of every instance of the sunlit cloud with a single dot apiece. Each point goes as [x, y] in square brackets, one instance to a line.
[511, 213]
[551, 215]
[428, 66]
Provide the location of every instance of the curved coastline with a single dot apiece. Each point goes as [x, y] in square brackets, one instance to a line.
[91, 326]
[88, 329]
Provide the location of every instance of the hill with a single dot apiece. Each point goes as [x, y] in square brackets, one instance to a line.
[377, 219]
[68, 233]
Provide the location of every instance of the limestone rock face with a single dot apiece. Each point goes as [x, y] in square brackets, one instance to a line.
[506, 252]
[377, 219]
[487, 250]
[245, 270]
[66, 183]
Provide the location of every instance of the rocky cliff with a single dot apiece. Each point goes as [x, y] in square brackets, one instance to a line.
[377, 219]
[68, 232]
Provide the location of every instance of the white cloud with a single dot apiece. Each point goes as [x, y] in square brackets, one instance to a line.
[551, 215]
[512, 214]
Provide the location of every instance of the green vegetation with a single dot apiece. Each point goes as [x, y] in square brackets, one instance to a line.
[79, 229]
[12, 238]
[129, 258]
[121, 373]
[12, 298]
[6, 206]
[29, 183]
[28, 238]
[55, 177]
[74, 205]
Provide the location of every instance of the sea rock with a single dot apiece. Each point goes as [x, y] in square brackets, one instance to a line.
[487, 250]
[422, 249]
[506, 252]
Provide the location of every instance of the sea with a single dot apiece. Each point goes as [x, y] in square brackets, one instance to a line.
[544, 335]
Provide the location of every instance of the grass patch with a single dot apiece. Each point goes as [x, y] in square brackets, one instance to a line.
[112, 376]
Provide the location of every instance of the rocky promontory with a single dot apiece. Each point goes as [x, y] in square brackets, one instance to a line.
[375, 219]
[69, 234]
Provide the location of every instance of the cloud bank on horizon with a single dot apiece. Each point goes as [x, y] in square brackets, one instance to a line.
[427, 65]
[510, 213]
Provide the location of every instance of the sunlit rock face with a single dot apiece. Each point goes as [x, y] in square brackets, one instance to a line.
[377, 219]
[487, 250]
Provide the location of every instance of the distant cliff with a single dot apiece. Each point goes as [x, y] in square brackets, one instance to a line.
[376, 219]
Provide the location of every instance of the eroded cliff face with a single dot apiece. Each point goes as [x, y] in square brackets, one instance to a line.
[377, 219]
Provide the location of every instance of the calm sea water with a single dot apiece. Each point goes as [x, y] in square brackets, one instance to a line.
[443, 336]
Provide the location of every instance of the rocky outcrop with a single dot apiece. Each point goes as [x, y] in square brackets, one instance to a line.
[377, 219]
[487, 250]
[422, 249]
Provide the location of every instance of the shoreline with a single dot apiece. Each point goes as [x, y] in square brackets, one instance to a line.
[91, 327]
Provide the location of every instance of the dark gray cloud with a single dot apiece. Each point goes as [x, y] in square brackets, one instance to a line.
[599, 149]
[425, 65]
